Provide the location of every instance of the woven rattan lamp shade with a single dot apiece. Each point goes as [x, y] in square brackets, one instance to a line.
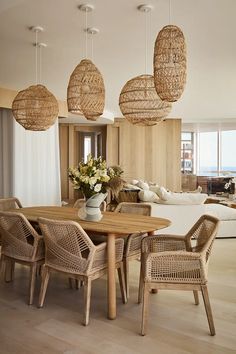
[35, 108]
[86, 91]
[170, 63]
[140, 104]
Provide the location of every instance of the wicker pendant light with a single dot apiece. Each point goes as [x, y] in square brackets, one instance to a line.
[86, 91]
[140, 104]
[170, 63]
[35, 108]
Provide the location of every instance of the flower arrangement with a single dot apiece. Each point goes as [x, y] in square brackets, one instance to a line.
[95, 177]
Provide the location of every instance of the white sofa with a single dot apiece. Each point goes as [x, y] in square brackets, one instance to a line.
[184, 216]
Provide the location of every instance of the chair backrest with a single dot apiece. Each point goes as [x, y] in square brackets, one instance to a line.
[203, 232]
[79, 203]
[9, 203]
[134, 208]
[18, 236]
[68, 247]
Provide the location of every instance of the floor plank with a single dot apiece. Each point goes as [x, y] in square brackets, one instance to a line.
[175, 324]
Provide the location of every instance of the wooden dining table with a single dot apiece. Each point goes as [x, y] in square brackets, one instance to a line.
[112, 225]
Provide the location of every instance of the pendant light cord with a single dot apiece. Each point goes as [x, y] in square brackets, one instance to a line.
[36, 57]
[146, 39]
[147, 35]
[92, 46]
[40, 64]
[86, 34]
[170, 12]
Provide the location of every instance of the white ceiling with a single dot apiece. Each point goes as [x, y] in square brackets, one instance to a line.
[209, 27]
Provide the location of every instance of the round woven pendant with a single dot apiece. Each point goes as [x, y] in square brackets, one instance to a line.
[86, 91]
[170, 63]
[140, 104]
[35, 108]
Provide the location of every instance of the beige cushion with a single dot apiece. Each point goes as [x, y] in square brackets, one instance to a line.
[143, 185]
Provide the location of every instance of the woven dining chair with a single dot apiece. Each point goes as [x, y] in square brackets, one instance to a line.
[8, 204]
[178, 263]
[20, 244]
[69, 250]
[133, 243]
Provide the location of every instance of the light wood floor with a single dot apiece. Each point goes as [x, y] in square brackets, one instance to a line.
[175, 326]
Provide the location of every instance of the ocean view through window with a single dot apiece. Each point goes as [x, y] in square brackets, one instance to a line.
[214, 153]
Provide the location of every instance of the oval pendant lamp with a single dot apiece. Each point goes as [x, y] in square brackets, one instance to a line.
[35, 108]
[140, 104]
[138, 101]
[170, 62]
[86, 90]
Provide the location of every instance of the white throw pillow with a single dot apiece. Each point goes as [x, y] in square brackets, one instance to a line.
[143, 185]
[134, 182]
[162, 193]
[148, 196]
[154, 188]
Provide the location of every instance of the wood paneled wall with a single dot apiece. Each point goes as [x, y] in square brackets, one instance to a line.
[148, 153]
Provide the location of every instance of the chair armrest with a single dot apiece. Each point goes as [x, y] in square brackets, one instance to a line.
[119, 249]
[175, 267]
[100, 256]
[133, 243]
[162, 243]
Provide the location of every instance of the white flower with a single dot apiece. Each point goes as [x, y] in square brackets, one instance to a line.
[103, 173]
[98, 187]
[92, 181]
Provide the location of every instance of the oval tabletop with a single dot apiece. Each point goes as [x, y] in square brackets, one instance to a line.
[117, 223]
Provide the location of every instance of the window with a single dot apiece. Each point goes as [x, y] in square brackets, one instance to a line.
[90, 143]
[87, 147]
[228, 149]
[187, 152]
[208, 153]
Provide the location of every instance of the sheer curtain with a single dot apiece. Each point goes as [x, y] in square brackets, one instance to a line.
[35, 165]
[6, 153]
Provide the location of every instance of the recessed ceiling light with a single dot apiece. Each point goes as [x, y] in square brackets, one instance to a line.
[86, 7]
[92, 30]
[145, 8]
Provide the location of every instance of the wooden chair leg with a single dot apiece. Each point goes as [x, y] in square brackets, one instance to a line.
[122, 283]
[8, 270]
[44, 285]
[208, 309]
[145, 309]
[39, 270]
[126, 271]
[33, 271]
[2, 267]
[71, 281]
[87, 298]
[78, 284]
[196, 298]
[140, 289]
